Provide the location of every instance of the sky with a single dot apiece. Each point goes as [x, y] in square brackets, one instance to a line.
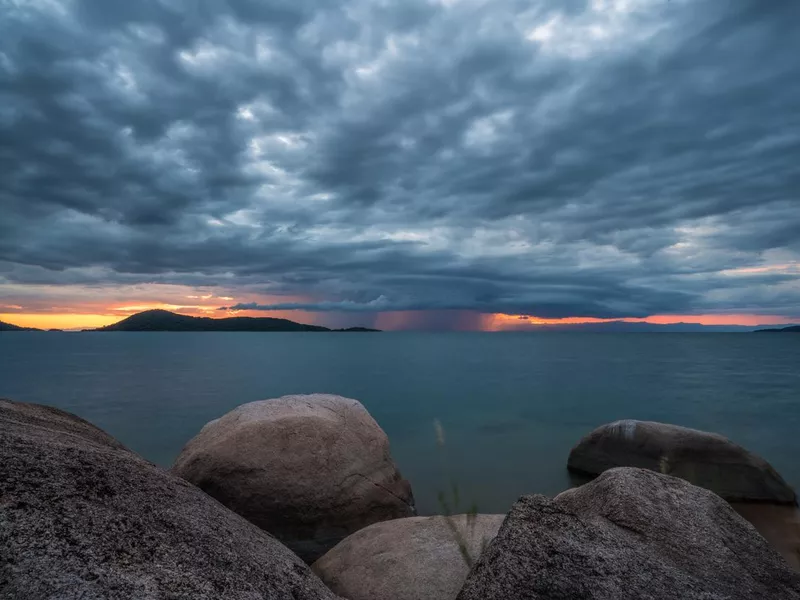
[408, 164]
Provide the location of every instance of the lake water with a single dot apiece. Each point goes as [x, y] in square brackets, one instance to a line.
[512, 404]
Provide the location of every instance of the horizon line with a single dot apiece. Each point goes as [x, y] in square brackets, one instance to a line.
[401, 321]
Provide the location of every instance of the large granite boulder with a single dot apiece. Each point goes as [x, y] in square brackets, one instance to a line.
[83, 517]
[311, 469]
[419, 558]
[704, 459]
[633, 534]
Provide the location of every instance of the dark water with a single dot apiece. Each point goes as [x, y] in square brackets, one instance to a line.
[511, 404]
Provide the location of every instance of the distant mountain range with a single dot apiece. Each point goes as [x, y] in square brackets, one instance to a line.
[163, 320]
[792, 329]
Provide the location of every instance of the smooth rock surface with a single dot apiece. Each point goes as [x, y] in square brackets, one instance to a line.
[309, 469]
[82, 517]
[407, 559]
[704, 459]
[630, 534]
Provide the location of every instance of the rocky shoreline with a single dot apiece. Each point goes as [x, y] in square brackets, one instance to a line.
[299, 498]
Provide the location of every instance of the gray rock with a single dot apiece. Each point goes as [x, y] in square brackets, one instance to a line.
[311, 469]
[632, 534]
[407, 559]
[704, 459]
[83, 517]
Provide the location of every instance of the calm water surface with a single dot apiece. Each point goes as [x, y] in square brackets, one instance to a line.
[512, 405]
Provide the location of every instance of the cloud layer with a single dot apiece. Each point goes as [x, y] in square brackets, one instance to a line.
[603, 158]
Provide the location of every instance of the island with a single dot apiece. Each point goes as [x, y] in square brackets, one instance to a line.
[792, 329]
[164, 320]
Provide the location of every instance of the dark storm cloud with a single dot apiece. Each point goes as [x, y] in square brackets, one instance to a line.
[603, 158]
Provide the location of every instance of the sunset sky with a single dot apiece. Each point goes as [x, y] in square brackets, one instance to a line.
[414, 164]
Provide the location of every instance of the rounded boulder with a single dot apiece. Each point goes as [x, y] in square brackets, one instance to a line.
[309, 469]
[705, 459]
[629, 534]
[82, 517]
[419, 558]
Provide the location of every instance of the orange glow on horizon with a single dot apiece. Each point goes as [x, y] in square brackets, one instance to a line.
[506, 322]
[78, 307]
[73, 321]
[502, 318]
[729, 319]
[99, 317]
[95, 316]
[58, 321]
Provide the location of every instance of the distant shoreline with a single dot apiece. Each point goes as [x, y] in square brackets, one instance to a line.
[166, 321]
[790, 329]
